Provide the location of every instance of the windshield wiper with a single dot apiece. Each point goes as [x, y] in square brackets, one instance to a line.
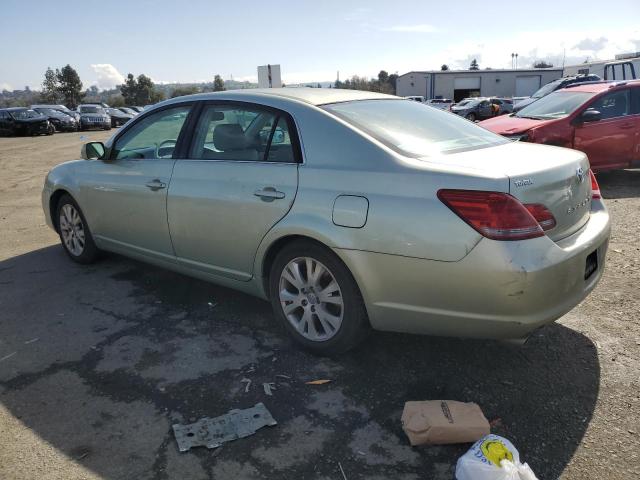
[531, 117]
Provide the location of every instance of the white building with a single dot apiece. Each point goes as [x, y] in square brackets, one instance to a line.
[459, 84]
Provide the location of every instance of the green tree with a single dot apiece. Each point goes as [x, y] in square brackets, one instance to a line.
[129, 89]
[542, 64]
[146, 90]
[444, 67]
[218, 84]
[383, 77]
[393, 80]
[474, 65]
[50, 88]
[181, 91]
[70, 86]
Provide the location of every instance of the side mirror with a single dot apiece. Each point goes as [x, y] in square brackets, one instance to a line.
[92, 151]
[590, 115]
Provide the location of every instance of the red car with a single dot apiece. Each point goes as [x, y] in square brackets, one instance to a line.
[601, 119]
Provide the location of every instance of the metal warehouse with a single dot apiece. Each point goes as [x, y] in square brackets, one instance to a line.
[459, 84]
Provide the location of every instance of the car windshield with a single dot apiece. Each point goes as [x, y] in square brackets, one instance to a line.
[547, 89]
[413, 129]
[50, 111]
[91, 109]
[24, 114]
[466, 103]
[555, 105]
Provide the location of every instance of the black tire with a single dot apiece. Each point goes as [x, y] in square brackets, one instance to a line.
[471, 117]
[355, 323]
[90, 252]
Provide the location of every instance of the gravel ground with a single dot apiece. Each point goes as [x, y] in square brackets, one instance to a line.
[97, 362]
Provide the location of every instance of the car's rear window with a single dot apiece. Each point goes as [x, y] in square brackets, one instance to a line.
[413, 129]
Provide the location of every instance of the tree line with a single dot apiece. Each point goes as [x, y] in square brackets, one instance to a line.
[384, 83]
[63, 86]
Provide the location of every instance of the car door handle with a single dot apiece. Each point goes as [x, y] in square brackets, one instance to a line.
[156, 185]
[269, 194]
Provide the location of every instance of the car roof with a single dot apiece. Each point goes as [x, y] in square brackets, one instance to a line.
[597, 87]
[313, 96]
[15, 109]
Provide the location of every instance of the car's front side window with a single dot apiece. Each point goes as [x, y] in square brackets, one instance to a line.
[154, 136]
[612, 105]
[229, 132]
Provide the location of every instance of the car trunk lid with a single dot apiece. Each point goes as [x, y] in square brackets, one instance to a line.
[557, 178]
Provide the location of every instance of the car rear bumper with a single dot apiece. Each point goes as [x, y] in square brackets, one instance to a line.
[499, 290]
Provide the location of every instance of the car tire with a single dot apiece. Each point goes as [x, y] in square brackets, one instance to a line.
[338, 324]
[471, 117]
[74, 232]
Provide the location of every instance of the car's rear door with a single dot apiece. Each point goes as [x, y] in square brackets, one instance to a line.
[611, 141]
[240, 179]
[125, 197]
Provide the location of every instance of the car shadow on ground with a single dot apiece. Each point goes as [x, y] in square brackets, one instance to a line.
[619, 184]
[105, 358]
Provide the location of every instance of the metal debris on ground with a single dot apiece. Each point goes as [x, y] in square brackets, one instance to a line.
[268, 388]
[248, 384]
[287, 377]
[317, 382]
[6, 357]
[213, 432]
[342, 471]
[32, 340]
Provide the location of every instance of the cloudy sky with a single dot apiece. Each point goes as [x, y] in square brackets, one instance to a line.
[194, 40]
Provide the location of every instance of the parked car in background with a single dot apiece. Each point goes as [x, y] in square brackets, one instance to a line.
[599, 119]
[440, 103]
[137, 109]
[24, 121]
[118, 117]
[128, 111]
[61, 121]
[416, 98]
[389, 212]
[94, 116]
[503, 105]
[60, 108]
[553, 86]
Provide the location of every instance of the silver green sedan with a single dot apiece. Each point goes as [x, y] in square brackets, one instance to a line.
[347, 210]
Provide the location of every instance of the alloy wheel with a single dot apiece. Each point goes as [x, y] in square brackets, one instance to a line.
[72, 230]
[311, 299]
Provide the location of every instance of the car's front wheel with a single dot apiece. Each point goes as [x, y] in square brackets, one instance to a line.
[74, 232]
[316, 298]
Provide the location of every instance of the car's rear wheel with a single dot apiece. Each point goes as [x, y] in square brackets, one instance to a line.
[471, 117]
[316, 298]
[75, 235]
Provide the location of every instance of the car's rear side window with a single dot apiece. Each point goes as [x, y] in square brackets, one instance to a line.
[635, 101]
[413, 129]
[242, 133]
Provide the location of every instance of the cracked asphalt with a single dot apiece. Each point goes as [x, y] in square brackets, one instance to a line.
[97, 363]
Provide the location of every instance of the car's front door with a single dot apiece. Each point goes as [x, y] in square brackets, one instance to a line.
[239, 180]
[608, 142]
[126, 195]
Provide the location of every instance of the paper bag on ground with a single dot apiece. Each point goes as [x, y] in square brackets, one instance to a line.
[443, 421]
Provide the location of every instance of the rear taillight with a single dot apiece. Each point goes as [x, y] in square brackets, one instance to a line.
[542, 215]
[595, 188]
[495, 215]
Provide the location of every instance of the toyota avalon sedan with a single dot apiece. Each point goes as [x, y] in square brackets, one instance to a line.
[347, 210]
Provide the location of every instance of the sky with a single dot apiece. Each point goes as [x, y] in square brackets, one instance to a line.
[193, 40]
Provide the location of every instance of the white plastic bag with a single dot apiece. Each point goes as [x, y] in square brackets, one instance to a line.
[493, 458]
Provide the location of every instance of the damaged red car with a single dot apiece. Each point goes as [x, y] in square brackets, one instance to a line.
[601, 119]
